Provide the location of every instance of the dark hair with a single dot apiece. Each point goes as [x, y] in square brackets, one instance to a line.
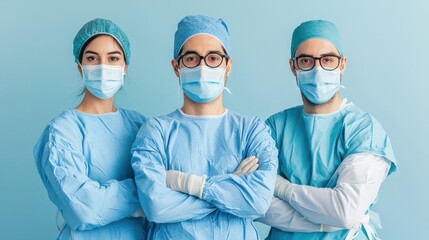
[94, 37]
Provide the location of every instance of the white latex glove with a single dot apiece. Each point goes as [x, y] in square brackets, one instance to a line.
[283, 189]
[185, 183]
[138, 213]
[248, 165]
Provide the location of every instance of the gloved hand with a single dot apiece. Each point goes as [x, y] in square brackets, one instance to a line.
[283, 189]
[138, 213]
[185, 183]
[248, 165]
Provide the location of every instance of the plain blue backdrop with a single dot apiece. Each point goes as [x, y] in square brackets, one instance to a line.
[386, 42]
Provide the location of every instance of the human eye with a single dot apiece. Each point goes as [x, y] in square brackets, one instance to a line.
[114, 59]
[190, 58]
[214, 57]
[306, 61]
[329, 59]
[91, 58]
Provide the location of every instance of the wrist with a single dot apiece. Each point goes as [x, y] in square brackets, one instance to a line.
[284, 189]
[195, 185]
[186, 183]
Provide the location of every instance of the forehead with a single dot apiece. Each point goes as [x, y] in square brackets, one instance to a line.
[316, 47]
[103, 42]
[202, 44]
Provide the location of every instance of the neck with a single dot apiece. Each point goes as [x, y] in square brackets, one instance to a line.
[214, 107]
[93, 105]
[329, 107]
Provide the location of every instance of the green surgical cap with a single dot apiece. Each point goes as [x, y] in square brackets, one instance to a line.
[315, 29]
[96, 27]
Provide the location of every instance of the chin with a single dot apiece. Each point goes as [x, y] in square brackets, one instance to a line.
[322, 104]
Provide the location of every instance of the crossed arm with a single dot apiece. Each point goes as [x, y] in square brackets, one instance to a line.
[84, 202]
[303, 208]
[245, 195]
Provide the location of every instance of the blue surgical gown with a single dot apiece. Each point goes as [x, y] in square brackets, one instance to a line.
[84, 162]
[204, 145]
[312, 146]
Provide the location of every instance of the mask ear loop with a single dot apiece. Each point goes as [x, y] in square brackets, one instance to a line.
[341, 82]
[180, 90]
[224, 87]
[124, 75]
[341, 75]
[83, 74]
[227, 90]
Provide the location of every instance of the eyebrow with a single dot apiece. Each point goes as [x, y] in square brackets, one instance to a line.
[91, 52]
[115, 52]
[109, 53]
[321, 55]
[329, 54]
[191, 51]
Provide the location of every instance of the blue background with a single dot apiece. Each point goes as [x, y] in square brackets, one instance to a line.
[386, 43]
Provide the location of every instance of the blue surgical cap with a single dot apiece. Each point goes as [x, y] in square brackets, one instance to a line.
[190, 26]
[96, 27]
[315, 29]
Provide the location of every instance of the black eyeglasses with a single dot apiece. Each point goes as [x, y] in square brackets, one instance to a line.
[211, 59]
[328, 62]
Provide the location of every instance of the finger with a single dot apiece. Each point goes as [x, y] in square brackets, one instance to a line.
[244, 162]
[249, 165]
[247, 160]
[253, 168]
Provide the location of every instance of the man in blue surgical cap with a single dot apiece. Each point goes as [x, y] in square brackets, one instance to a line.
[333, 157]
[191, 180]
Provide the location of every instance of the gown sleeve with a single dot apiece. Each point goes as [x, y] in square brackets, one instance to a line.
[160, 203]
[84, 203]
[345, 205]
[249, 195]
[283, 216]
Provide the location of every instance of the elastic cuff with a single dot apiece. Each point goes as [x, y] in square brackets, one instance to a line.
[200, 194]
[195, 185]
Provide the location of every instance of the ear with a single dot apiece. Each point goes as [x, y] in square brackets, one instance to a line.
[175, 65]
[343, 65]
[228, 68]
[125, 69]
[79, 68]
[292, 67]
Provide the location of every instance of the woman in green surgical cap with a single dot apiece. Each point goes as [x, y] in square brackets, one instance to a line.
[83, 155]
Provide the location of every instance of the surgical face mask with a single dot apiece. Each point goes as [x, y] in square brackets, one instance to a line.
[202, 84]
[319, 85]
[103, 81]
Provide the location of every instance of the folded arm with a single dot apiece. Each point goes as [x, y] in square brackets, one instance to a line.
[245, 195]
[160, 203]
[359, 179]
[283, 216]
[84, 203]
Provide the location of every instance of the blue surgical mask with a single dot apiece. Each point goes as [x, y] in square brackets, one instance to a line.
[103, 81]
[319, 85]
[202, 84]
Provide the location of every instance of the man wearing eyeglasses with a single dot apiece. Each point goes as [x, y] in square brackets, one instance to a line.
[333, 157]
[191, 180]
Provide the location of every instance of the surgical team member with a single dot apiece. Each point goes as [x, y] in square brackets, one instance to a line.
[191, 180]
[83, 155]
[333, 157]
